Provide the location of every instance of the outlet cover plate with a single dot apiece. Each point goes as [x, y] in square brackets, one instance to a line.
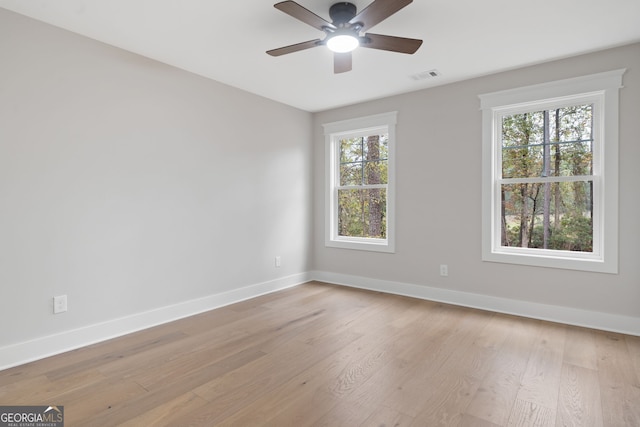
[59, 304]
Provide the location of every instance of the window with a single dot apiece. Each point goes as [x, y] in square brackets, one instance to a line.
[550, 174]
[360, 183]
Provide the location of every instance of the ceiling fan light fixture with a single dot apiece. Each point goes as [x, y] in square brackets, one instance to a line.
[342, 43]
[348, 30]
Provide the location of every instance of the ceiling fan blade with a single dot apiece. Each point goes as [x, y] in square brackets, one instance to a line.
[391, 43]
[294, 47]
[303, 14]
[341, 62]
[378, 11]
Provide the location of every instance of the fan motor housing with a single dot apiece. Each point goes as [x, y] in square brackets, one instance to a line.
[342, 12]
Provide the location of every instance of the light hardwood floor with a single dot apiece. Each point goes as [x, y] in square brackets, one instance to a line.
[322, 355]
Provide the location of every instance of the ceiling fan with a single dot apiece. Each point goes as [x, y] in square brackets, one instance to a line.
[348, 29]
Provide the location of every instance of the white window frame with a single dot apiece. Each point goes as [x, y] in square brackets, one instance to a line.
[602, 91]
[379, 123]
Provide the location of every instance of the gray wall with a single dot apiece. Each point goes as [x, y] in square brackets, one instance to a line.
[129, 185]
[438, 195]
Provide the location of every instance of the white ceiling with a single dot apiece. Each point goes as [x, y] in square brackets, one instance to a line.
[226, 40]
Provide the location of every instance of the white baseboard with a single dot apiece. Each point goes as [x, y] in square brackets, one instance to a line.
[571, 316]
[39, 348]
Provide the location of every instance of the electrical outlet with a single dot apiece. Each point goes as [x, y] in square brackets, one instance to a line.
[59, 304]
[278, 261]
[444, 270]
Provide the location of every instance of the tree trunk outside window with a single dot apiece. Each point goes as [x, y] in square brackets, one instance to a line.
[373, 177]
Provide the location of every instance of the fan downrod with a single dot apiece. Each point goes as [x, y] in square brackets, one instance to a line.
[342, 12]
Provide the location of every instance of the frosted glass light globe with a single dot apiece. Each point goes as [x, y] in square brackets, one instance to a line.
[342, 43]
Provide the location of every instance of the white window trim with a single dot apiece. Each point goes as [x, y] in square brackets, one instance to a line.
[333, 132]
[602, 88]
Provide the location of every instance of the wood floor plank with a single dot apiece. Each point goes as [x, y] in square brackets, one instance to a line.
[447, 403]
[107, 396]
[345, 415]
[85, 357]
[633, 346]
[306, 390]
[541, 379]
[201, 354]
[308, 299]
[358, 372]
[411, 396]
[305, 409]
[386, 416]
[458, 378]
[320, 354]
[413, 349]
[172, 388]
[172, 412]
[471, 421]
[212, 344]
[496, 331]
[284, 299]
[497, 392]
[51, 390]
[328, 380]
[230, 393]
[579, 402]
[619, 385]
[580, 348]
[140, 347]
[529, 414]
[19, 392]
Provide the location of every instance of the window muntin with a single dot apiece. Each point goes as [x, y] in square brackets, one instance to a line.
[586, 174]
[360, 191]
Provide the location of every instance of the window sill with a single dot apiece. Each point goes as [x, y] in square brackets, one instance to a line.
[569, 260]
[372, 245]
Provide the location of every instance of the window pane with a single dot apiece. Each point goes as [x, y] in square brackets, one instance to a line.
[363, 160]
[362, 213]
[548, 215]
[375, 147]
[548, 143]
[351, 150]
[573, 123]
[375, 172]
[571, 159]
[351, 173]
[522, 161]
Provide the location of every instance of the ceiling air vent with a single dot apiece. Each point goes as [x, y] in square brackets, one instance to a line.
[426, 75]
